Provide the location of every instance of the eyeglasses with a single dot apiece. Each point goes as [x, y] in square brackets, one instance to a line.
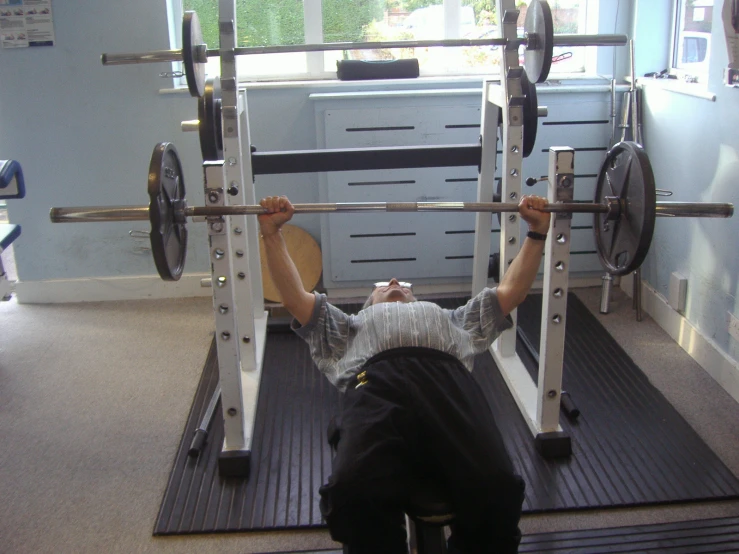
[403, 284]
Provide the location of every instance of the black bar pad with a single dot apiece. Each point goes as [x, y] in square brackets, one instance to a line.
[357, 159]
[361, 70]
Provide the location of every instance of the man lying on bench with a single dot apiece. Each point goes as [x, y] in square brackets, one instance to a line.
[411, 408]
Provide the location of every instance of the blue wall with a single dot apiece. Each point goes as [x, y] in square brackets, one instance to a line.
[693, 145]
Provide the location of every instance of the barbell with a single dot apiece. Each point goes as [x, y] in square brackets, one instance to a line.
[625, 209]
[539, 40]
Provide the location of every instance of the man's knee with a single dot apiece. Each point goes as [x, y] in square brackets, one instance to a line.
[357, 515]
[498, 496]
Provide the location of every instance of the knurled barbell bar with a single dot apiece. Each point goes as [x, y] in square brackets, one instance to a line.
[625, 210]
[539, 40]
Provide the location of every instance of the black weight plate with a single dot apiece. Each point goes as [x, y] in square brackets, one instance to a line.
[530, 115]
[209, 116]
[168, 234]
[626, 174]
[538, 61]
[192, 37]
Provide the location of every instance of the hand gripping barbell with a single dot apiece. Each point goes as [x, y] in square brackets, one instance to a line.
[625, 209]
[539, 40]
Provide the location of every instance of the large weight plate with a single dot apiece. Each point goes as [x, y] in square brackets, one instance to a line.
[210, 125]
[192, 38]
[626, 174]
[166, 189]
[539, 25]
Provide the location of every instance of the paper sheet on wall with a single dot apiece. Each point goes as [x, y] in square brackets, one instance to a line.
[26, 23]
[730, 17]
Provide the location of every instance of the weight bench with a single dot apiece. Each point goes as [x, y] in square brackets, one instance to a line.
[428, 512]
[11, 186]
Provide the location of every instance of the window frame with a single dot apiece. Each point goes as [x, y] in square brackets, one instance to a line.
[315, 61]
[686, 74]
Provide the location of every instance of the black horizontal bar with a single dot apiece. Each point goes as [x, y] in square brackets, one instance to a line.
[382, 235]
[593, 122]
[470, 232]
[354, 159]
[371, 183]
[364, 129]
[384, 260]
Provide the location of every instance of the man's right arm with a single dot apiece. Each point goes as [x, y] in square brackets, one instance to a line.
[284, 274]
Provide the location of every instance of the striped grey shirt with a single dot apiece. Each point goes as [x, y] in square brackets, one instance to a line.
[340, 344]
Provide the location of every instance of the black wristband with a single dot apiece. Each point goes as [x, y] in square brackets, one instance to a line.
[536, 236]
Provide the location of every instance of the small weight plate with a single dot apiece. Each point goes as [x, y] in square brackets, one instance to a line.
[166, 189]
[530, 115]
[539, 25]
[192, 37]
[626, 174]
[209, 116]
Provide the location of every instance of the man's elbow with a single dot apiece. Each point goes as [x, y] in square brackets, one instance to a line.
[509, 298]
[301, 307]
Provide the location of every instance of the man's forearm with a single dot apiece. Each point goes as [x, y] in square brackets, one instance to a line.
[285, 275]
[521, 274]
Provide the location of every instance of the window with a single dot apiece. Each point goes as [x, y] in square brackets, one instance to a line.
[692, 43]
[283, 22]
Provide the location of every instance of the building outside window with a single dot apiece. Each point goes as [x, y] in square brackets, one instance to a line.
[692, 44]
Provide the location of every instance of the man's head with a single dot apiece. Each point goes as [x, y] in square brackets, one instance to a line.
[390, 291]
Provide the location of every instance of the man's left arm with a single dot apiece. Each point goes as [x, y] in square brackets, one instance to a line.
[517, 281]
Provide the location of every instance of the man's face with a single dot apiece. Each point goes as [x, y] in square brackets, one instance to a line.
[393, 291]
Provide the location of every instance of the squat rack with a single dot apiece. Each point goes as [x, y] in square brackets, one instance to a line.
[240, 318]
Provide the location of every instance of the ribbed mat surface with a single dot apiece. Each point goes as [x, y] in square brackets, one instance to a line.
[630, 446]
[686, 537]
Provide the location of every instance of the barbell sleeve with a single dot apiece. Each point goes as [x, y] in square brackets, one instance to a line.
[148, 57]
[99, 213]
[590, 40]
[192, 125]
[694, 209]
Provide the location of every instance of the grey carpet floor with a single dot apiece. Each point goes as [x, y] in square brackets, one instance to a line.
[93, 399]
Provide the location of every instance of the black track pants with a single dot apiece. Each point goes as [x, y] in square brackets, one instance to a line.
[420, 416]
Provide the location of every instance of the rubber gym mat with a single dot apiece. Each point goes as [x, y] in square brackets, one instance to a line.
[630, 446]
[685, 537]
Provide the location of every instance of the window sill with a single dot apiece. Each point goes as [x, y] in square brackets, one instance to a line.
[557, 83]
[695, 90]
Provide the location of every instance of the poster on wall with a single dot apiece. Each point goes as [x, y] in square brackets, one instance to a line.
[25, 23]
